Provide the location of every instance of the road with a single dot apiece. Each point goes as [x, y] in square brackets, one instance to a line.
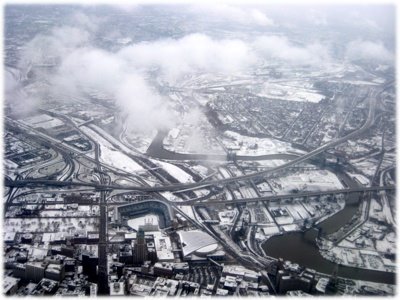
[103, 237]
[197, 185]
[384, 199]
[298, 195]
[103, 186]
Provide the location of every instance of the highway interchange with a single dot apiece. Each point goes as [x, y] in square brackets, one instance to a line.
[104, 186]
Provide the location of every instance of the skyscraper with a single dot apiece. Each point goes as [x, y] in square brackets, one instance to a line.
[140, 249]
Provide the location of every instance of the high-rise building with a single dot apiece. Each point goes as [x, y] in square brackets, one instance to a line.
[35, 271]
[140, 249]
[89, 266]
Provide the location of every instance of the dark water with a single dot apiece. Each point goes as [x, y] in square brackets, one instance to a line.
[300, 247]
[157, 150]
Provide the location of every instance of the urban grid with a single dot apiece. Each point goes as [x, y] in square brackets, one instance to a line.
[199, 150]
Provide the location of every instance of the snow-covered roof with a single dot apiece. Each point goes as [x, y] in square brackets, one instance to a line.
[195, 240]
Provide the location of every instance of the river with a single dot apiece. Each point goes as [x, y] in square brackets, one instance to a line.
[157, 150]
[298, 247]
[301, 248]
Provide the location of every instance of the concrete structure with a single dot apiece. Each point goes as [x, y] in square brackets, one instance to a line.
[10, 285]
[163, 269]
[144, 207]
[35, 271]
[140, 250]
[55, 272]
[197, 242]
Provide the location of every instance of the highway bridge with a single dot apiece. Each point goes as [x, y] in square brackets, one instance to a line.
[197, 185]
[297, 195]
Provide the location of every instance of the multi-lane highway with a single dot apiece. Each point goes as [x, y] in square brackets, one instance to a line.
[198, 185]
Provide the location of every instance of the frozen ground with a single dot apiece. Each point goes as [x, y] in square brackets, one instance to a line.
[149, 218]
[366, 246]
[174, 171]
[193, 134]
[252, 146]
[140, 141]
[290, 93]
[42, 120]
[311, 180]
[112, 156]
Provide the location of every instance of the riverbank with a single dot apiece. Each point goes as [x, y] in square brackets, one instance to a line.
[301, 248]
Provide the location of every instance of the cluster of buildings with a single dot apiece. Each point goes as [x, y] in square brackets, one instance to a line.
[291, 278]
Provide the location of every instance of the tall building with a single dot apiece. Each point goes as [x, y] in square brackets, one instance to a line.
[89, 266]
[140, 249]
[35, 271]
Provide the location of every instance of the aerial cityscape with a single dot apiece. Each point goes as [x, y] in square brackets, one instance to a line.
[199, 150]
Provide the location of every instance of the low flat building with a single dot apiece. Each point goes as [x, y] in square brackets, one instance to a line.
[10, 285]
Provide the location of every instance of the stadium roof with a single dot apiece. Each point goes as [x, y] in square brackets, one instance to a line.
[197, 241]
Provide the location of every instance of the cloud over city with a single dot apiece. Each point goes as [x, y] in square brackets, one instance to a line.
[368, 51]
[123, 74]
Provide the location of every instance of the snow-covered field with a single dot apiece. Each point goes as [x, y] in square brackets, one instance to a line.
[367, 167]
[290, 93]
[194, 134]
[269, 164]
[252, 146]
[174, 171]
[149, 218]
[112, 156]
[365, 247]
[42, 120]
[171, 197]
[140, 141]
[360, 178]
[310, 180]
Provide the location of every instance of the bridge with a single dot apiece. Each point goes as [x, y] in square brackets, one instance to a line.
[202, 184]
[288, 196]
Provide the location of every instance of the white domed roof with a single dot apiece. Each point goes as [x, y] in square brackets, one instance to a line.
[197, 241]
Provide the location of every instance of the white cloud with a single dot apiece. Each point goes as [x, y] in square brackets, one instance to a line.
[104, 71]
[123, 74]
[195, 52]
[46, 49]
[277, 47]
[368, 51]
[243, 15]
[260, 18]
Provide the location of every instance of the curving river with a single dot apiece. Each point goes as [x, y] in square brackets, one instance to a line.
[157, 150]
[301, 247]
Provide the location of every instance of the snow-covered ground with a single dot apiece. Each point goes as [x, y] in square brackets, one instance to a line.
[366, 246]
[171, 197]
[360, 178]
[252, 146]
[194, 134]
[42, 120]
[140, 141]
[290, 93]
[266, 164]
[367, 166]
[112, 156]
[310, 180]
[149, 218]
[174, 171]
[203, 171]
[188, 210]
